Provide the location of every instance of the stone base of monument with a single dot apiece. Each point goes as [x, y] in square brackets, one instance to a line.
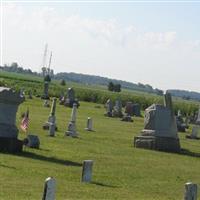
[108, 114]
[10, 145]
[46, 126]
[70, 104]
[127, 118]
[157, 143]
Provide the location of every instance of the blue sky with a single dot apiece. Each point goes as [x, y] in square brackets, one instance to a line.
[154, 43]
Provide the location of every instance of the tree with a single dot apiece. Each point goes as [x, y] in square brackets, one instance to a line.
[117, 88]
[63, 82]
[110, 86]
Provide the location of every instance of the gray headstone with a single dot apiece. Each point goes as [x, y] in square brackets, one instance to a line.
[195, 131]
[160, 128]
[52, 128]
[190, 191]
[117, 111]
[109, 108]
[9, 102]
[87, 171]
[129, 108]
[46, 103]
[71, 129]
[46, 90]
[33, 141]
[198, 117]
[89, 124]
[49, 189]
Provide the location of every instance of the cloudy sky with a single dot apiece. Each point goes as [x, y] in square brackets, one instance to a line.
[149, 42]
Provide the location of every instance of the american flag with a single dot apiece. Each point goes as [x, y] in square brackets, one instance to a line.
[25, 121]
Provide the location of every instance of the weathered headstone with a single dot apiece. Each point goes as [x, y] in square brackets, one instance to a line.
[127, 118]
[129, 108]
[190, 191]
[52, 116]
[89, 124]
[46, 90]
[181, 126]
[30, 95]
[70, 100]
[109, 108]
[22, 94]
[194, 134]
[136, 110]
[32, 141]
[52, 128]
[117, 111]
[49, 189]
[71, 130]
[87, 171]
[198, 117]
[9, 102]
[160, 129]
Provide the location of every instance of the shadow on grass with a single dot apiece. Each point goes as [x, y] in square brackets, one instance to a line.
[189, 153]
[48, 159]
[6, 166]
[103, 185]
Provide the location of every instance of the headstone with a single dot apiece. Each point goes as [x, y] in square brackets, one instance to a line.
[194, 134]
[46, 90]
[70, 100]
[32, 141]
[46, 103]
[179, 113]
[109, 108]
[22, 94]
[117, 111]
[9, 102]
[190, 191]
[136, 110]
[160, 129]
[52, 117]
[87, 171]
[49, 189]
[127, 118]
[129, 108]
[52, 128]
[181, 126]
[71, 130]
[198, 117]
[89, 124]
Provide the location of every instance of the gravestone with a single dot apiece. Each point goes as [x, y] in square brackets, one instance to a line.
[89, 124]
[181, 126]
[52, 117]
[71, 130]
[190, 191]
[136, 110]
[9, 102]
[49, 189]
[46, 90]
[22, 93]
[52, 129]
[46, 103]
[109, 108]
[129, 108]
[87, 171]
[198, 117]
[32, 141]
[195, 131]
[160, 129]
[127, 118]
[117, 111]
[70, 100]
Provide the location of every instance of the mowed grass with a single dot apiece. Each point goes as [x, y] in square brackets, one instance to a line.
[120, 171]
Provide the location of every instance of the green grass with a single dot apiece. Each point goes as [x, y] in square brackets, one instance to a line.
[120, 171]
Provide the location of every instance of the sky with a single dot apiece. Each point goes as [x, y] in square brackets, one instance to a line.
[156, 43]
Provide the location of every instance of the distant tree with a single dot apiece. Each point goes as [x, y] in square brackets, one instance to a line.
[47, 78]
[110, 86]
[117, 88]
[63, 82]
[159, 92]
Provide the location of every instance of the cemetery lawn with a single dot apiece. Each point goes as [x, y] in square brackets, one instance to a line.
[120, 171]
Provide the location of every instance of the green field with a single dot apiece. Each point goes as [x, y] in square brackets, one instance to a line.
[120, 171]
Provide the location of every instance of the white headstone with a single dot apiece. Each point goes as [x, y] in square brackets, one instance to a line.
[89, 124]
[49, 189]
[87, 171]
[190, 191]
[195, 131]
